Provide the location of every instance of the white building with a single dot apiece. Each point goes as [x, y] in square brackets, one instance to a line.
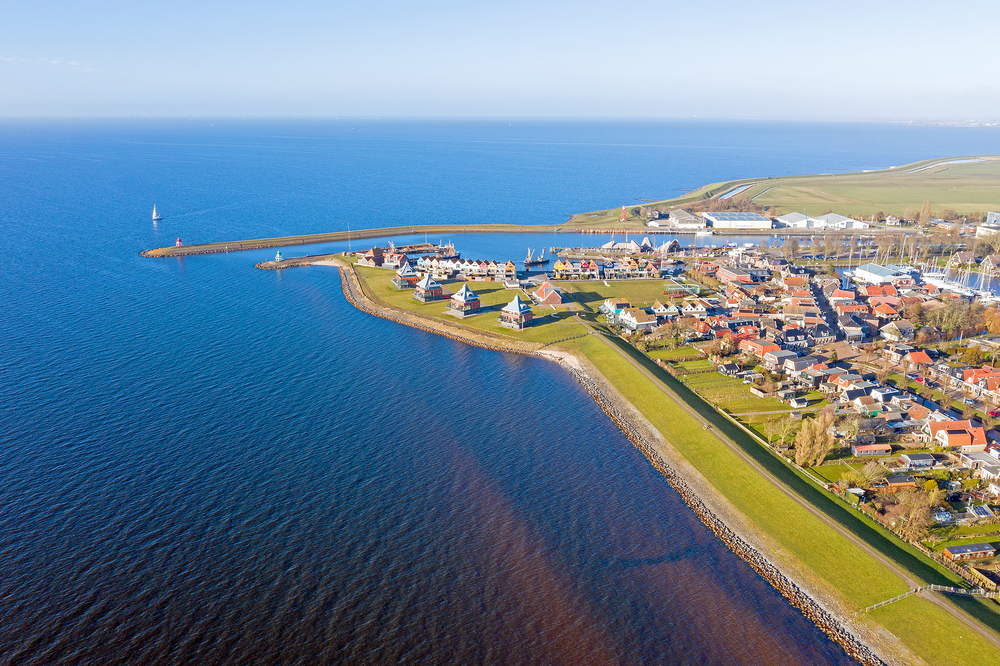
[738, 220]
[888, 274]
[828, 221]
[682, 219]
[793, 221]
[984, 230]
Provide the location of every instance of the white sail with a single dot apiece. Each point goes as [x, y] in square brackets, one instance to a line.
[155, 216]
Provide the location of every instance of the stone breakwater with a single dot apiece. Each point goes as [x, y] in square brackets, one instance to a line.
[616, 409]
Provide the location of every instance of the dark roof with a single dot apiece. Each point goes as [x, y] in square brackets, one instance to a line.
[900, 479]
[917, 456]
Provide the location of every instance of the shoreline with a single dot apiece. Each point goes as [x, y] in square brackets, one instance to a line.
[711, 508]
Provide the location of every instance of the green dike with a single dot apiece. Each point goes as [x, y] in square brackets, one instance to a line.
[859, 577]
[903, 554]
[934, 634]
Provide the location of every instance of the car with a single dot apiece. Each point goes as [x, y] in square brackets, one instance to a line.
[993, 412]
[920, 380]
[969, 402]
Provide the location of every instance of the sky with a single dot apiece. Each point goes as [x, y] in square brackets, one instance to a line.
[849, 60]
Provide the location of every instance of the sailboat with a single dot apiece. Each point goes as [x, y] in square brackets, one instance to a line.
[155, 216]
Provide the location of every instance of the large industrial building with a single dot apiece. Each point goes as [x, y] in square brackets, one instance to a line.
[737, 220]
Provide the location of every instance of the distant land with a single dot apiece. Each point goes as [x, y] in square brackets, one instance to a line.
[968, 186]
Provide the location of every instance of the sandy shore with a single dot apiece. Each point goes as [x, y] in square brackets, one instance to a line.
[864, 640]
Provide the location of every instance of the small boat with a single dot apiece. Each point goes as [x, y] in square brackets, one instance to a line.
[155, 215]
[704, 232]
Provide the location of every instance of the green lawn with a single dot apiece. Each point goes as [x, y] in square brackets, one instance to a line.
[640, 293]
[933, 634]
[831, 473]
[544, 328]
[669, 354]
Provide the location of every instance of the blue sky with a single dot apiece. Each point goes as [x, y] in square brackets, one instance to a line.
[783, 60]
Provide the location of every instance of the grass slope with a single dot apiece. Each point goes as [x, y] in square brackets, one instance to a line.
[969, 187]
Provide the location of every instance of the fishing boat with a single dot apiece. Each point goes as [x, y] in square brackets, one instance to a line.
[537, 261]
[155, 215]
[447, 251]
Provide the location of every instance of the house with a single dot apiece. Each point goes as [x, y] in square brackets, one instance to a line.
[428, 289]
[758, 347]
[371, 258]
[870, 450]
[773, 360]
[406, 277]
[917, 460]
[516, 314]
[465, 302]
[991, 264]
[792, 338]
[885, 312]
[729, 369]
[897, 331]
[637, 319]
[547, 295]
[897, 483]
[883, 394]
[962, 259]
[821, 334]
[853, 330]
[918, 360]
[974, 551]
[958, 436]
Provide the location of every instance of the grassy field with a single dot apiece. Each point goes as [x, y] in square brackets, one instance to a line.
[544, 328]
[860, 578]
[640, 293]
[971, 187]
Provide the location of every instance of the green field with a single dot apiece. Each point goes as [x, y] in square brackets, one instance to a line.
[972, 187]
[545, 327]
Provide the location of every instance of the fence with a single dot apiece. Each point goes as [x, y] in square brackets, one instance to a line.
[978, 592]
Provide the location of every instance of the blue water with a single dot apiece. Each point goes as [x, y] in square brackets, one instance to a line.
[205, 463]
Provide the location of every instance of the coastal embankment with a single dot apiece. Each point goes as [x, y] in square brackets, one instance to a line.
[712, 509]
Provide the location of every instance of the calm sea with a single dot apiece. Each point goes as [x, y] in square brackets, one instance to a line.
[205, 463]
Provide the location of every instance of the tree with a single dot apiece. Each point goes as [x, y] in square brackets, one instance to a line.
[930, 485]
[786, 427]
[866, 477]
[814, 441]
[833, 357]
[882, 374]
[925, 212]
[968, 411]
[771, 428]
